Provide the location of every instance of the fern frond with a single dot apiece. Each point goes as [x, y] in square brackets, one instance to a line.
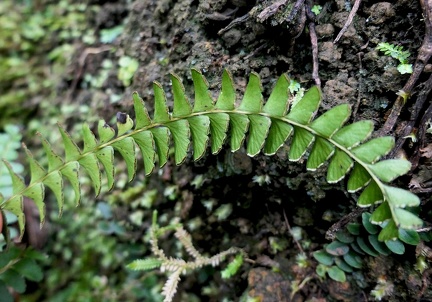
[267, 127]
[394, 51]
[170, 287]
[145, 264]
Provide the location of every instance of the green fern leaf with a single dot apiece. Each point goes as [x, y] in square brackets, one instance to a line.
[301, 141]
[331, 121]
[141, 113]
[389, 232]
[126, 147]
[203, 99]
[106, 133]
[227, 96]
[200, 129]
[124, 123]
[161, 109]
[252, 99]
[218, 131]
[106, 157]
[90, 163]
[374, 149]
[258, 127]
[89, 138]
[161, 138]
[145, 142]
[381, 214]
[239, 127]
[277, 104]
[278, 135]
[306, 108]
[371, 195]
[264, 126]
[70, 171]
[72, 152]
[37, 192]
[15, 204]
[321, 151]
[358, 179]
[404, 219]
[353, 134]
[181, 136]
[388, 170]
[54, 181]
[54, 161]
[339, 166]
[182, 107]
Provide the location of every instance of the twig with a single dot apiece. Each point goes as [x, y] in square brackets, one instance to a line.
[331, 232]
[425, 277]
[233, 23]
[294, 10]
[415, 112]
[81, 63]
[314, 42]
[421, 133]
[257, 50]
[270, 10]
[348, 21]
[424, 54]
[360, 88]
[290, 230]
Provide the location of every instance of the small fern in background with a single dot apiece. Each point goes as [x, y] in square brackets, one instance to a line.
[398, 53]
[177, 266]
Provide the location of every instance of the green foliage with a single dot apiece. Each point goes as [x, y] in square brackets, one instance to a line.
[87, 256]
[360, 240]
[268, 127]
[17, 265]
[232, 267]
[110, 34]
[10, 142]
[397, 53]
[316, 9]
[35, 48]
[127, 69]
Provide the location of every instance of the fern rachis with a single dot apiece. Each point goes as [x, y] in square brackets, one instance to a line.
[268, 125]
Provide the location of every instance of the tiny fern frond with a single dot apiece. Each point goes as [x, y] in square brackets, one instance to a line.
[267, 126]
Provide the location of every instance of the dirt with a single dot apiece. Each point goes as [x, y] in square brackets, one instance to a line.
[174, 36]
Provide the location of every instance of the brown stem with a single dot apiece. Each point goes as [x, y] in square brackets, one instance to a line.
[415, 112]
[314, 42]
[348, 21]
[424, 54]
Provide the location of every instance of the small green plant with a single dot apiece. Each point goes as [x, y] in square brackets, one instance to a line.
[316, 9]
[344, 254]
[178, 266]
[16, 266]
[46, 36]
[128, 67]
[398, 53]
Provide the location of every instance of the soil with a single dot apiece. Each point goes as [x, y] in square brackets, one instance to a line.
[174, 36]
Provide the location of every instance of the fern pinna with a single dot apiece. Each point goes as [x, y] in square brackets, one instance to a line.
[267, 127]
